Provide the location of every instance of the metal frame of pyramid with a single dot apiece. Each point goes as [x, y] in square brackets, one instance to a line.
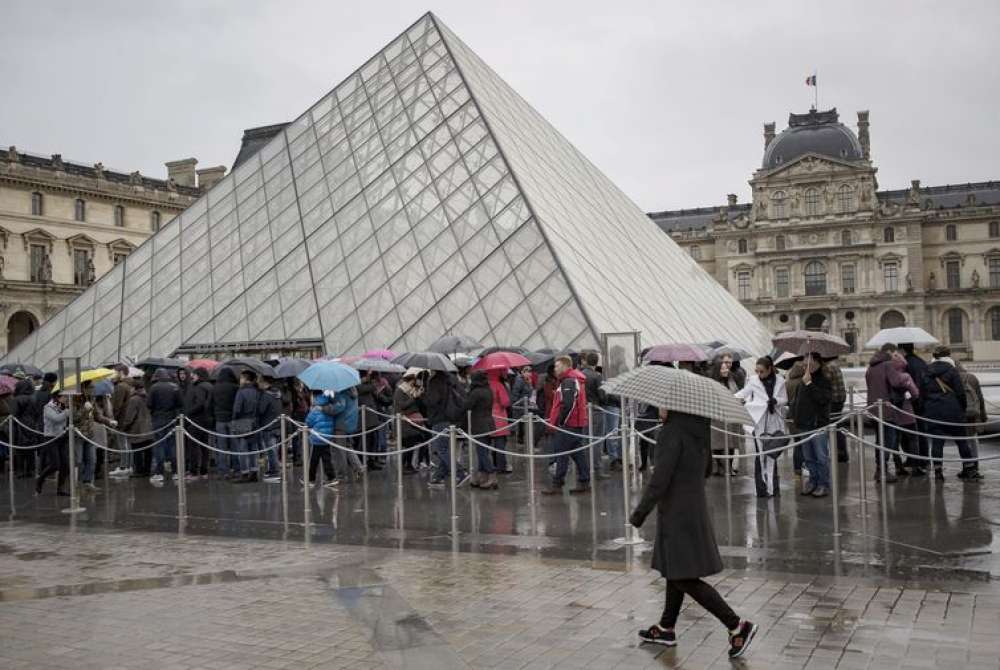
[422, 196]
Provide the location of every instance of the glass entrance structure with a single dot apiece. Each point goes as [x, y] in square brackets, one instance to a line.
[422, 196]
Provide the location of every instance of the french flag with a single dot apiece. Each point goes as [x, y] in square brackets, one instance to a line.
[811, 80]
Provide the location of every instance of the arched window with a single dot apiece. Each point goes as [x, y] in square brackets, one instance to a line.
[812, 202]
[815, 275]
[994, 228]
[154, 221]
[778, 204]
[815, 322]
[889, 234]
[779, 243]
[743, 245]
[892, 319]
[119, 216]
[955, 321]
[80, 210]
[845, 199]
[36, 204]
[993, 319]
[845, 238]
[695, 252]
[951, 232]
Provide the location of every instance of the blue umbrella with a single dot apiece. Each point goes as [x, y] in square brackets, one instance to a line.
[329, 376]
[103, 387]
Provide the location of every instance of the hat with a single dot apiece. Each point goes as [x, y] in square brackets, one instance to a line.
[51, 377]
[941, 351]
[412, 372]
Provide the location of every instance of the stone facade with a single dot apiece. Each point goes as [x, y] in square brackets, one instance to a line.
[62, 225]
[821, 247]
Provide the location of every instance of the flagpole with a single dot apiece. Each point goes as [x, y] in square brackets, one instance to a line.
[815, 91]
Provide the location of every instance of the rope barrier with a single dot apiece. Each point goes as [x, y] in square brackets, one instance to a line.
[30, 429]
[921, 457]
[130, 435]
[373, 429]
[472, 439]
[379, 454]
[257, 452]
[939, 421]
[233, 435]
[949, 436]
[766, 452]
[123, 451]
[23, 447]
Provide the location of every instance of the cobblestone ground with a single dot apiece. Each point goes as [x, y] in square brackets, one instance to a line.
[111, 599]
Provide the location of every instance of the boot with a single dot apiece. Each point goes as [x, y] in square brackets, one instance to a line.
[491, 482]
[475, 481]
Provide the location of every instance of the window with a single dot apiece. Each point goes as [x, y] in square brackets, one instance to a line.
[950, 232]
[995, 323]
[851, 337]
[812, 202]
[695, 252]
[890, 274]
[80, 274]
[994, 228]
[36, 204]
[845, 238]
[845, 199]
[847, 284]
[781, 282]
[37, 261]
[815, 322]
[889, 234]
[956, 332]
[154, 221]
[119, 216]
[743, 246]
[80, 210]
[743, 285]
[778, 204]
[119, 258]
[815, 275]
[892, 319]
[995, 272]
[953, 274]
[779, 243]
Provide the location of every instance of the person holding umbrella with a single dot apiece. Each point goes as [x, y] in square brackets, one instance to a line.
[685, 550]
[811, 411]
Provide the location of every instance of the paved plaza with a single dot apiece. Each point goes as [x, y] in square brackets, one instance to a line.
[369, 581]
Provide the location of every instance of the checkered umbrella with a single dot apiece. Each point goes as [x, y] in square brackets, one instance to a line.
[680, 391]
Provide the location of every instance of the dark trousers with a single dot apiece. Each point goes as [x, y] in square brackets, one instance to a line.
[915, 445]
[142, 461]
[317, 453]
[703, 594]
[417, 456]
[196, 455]
[55, 459]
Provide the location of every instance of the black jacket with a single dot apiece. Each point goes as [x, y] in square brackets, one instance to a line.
[164, 399]
[479, 403]
[436, 398]
[943, 394]
[223, 395]
[685, 546]
[22, 407]
[198, 403]
[595, 394]
[811, 409]
[269, 408]
[916, 367]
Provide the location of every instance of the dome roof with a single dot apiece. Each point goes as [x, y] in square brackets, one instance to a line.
[815, 132]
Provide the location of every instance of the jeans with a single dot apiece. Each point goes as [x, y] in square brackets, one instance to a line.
[271, 438]
[891, 440]
[248, 462]
[485, 458]
[225, 463]
[941, 433]
[564, 442]
[85, 459]
[703, 594]
[165, 450]
[612, 419]
[597, 430]
[499, 459]
[816, 459]
[441, 446]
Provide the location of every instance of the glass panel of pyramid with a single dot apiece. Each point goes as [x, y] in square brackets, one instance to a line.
[421, 197]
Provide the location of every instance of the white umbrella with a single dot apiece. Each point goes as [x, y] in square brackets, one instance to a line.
[918, 337]
[803, 342]
[680, 391]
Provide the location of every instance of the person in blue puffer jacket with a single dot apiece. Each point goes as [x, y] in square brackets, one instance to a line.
[322, 421]
[343, 408]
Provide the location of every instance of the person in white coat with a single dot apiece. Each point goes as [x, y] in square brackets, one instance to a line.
[766, 401]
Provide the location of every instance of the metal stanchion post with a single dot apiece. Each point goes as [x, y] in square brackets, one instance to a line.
[590, 439]
[726, 463]
[399, 448]
[831, 436]
[531, 472]
[10, 460]
[306, 457]
[859, 422]
[473, 451]
[880, 453]
[452, 448]
[286, 472]
[181, 481]
[364, 444]
[630, 536]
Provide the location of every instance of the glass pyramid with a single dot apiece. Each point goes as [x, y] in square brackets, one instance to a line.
[421, 197]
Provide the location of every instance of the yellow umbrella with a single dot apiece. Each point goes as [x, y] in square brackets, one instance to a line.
[86, 376]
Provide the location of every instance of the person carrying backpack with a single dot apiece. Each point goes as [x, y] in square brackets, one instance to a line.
[444, 400]
[975, 413]
[944, 407]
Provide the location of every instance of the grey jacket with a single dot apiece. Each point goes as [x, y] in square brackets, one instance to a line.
[54, 419]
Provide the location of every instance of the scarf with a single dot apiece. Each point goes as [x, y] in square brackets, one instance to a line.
[768, 383]
[410, 389]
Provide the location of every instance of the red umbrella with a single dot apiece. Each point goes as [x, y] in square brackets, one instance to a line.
[384, 354]
[671, 353]
[206, 364]
[501, 360]
[7, 384]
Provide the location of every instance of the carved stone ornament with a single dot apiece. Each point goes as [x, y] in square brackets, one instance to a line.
[57, 162]
[741, 221]
[99, 170]
[12, 153]
[932, 282]
[135, 179]
[171, 184]
[975, 278]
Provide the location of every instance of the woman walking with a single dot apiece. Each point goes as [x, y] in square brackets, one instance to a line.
[685, 549]
[766, 400]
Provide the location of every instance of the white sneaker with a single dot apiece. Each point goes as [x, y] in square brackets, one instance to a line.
[90, 486]
[274, 479]
[120, 472]
[156, 479]
[422, 466]
[306, 484]
[332, 484]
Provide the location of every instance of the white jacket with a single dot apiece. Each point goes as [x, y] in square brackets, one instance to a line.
[755, 398]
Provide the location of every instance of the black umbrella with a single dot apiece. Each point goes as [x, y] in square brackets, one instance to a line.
[286, 368]
[240, 364]
[543, 357]
[21, 370]
[452, 344]
[153, 362]
[514, 350]
[428, 360]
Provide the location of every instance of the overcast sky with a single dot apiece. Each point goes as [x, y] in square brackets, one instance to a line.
[667, 98]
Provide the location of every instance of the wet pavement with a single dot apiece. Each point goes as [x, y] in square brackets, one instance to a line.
[369, 581]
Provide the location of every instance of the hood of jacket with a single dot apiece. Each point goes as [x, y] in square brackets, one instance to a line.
[574, 374]
[878, 358]
[24, 387]
[938, 368]
[227, 375]
[321, 399]
[163, 375]
[479, 378]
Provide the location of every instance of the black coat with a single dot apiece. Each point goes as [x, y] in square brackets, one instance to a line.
[479, 404]
[943, 404]
[164, 399]
[811, 408]
[269, 408]
[224, 394]
[916, 367]
[198, 403]
[685, 546]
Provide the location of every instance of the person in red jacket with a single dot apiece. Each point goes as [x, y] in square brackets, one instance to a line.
[567, 420]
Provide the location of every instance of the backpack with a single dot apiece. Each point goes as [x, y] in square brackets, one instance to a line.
[454, 406]
[972, 401]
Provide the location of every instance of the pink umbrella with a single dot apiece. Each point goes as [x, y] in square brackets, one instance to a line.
[384, 354]
[501, 360]
[675, 353]
[202, 364]
[7, 384]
